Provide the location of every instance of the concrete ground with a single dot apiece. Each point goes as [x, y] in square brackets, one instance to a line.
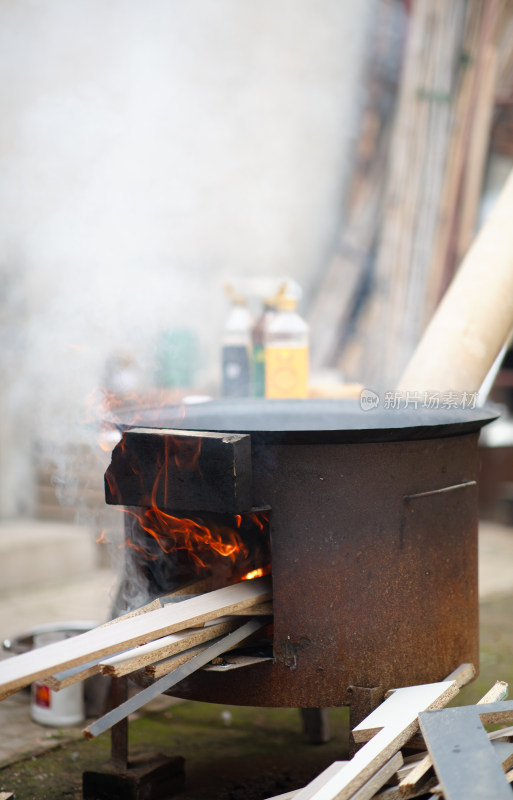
[87, 597]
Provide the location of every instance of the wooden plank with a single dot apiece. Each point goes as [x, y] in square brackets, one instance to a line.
[378, 780]
[236, 662]
[166, 666]
[392, 792]
[263, 610]
[480, 130]
[387, 794]
[319, 783]
[391, 724]
[185, 470]
[502, 733]
[21, 670]
[410, 762]
[414, 779]
[134, 703]
[83, 671]
[145, 654]
[462, 675]
[462, 754]
[396, 706]
[76, 674]
[368, 790]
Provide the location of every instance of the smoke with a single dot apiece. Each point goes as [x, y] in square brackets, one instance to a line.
[148, 152]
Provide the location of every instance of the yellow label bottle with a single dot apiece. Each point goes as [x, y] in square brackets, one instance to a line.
[286, 353]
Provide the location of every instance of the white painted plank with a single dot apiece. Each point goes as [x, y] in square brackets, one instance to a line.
[396, 704]
[21, 670]
[398, 720]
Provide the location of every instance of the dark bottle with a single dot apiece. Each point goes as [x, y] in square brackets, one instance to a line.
[237, 349]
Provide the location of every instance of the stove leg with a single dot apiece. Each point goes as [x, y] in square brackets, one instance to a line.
[119, 732]
[144, 777]
[363, 700]
[316, 725]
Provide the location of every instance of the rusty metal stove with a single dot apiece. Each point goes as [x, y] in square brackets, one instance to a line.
[373, 533]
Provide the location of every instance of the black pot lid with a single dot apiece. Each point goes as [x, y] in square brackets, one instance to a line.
[316, 421]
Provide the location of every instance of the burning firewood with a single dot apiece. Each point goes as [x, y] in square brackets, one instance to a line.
[173, 469]
[21, 670]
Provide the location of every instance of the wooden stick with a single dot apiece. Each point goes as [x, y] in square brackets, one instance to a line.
[441, 266]
[392, 724]
[481, 125]
[392, 792]
[166, 666]
[263, 610]
[413, 780]
[74, 675]
[165, 683]
[236, 662]
[502, 733]
[383, 774]
[20, 671]
[83, 671]
[462, 675]
[145, 654]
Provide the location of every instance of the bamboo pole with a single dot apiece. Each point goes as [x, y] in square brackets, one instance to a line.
[475, 316]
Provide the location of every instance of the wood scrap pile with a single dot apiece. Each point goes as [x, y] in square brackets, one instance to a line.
[453, 757]
[169, 640]
[421, 186]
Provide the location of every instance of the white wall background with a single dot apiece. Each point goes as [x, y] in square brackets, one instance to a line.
[148, 149]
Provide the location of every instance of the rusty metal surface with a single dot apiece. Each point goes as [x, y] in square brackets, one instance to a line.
[374, 563]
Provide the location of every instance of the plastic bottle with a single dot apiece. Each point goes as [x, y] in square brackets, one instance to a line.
[286, 352]
[236, 349]
[259, 339]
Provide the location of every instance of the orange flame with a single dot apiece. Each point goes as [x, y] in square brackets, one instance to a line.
[201, 541]
[103, 537]
[256, 573]
[204, 542]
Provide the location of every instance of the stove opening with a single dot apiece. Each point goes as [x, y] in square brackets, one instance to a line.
[190, 553]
